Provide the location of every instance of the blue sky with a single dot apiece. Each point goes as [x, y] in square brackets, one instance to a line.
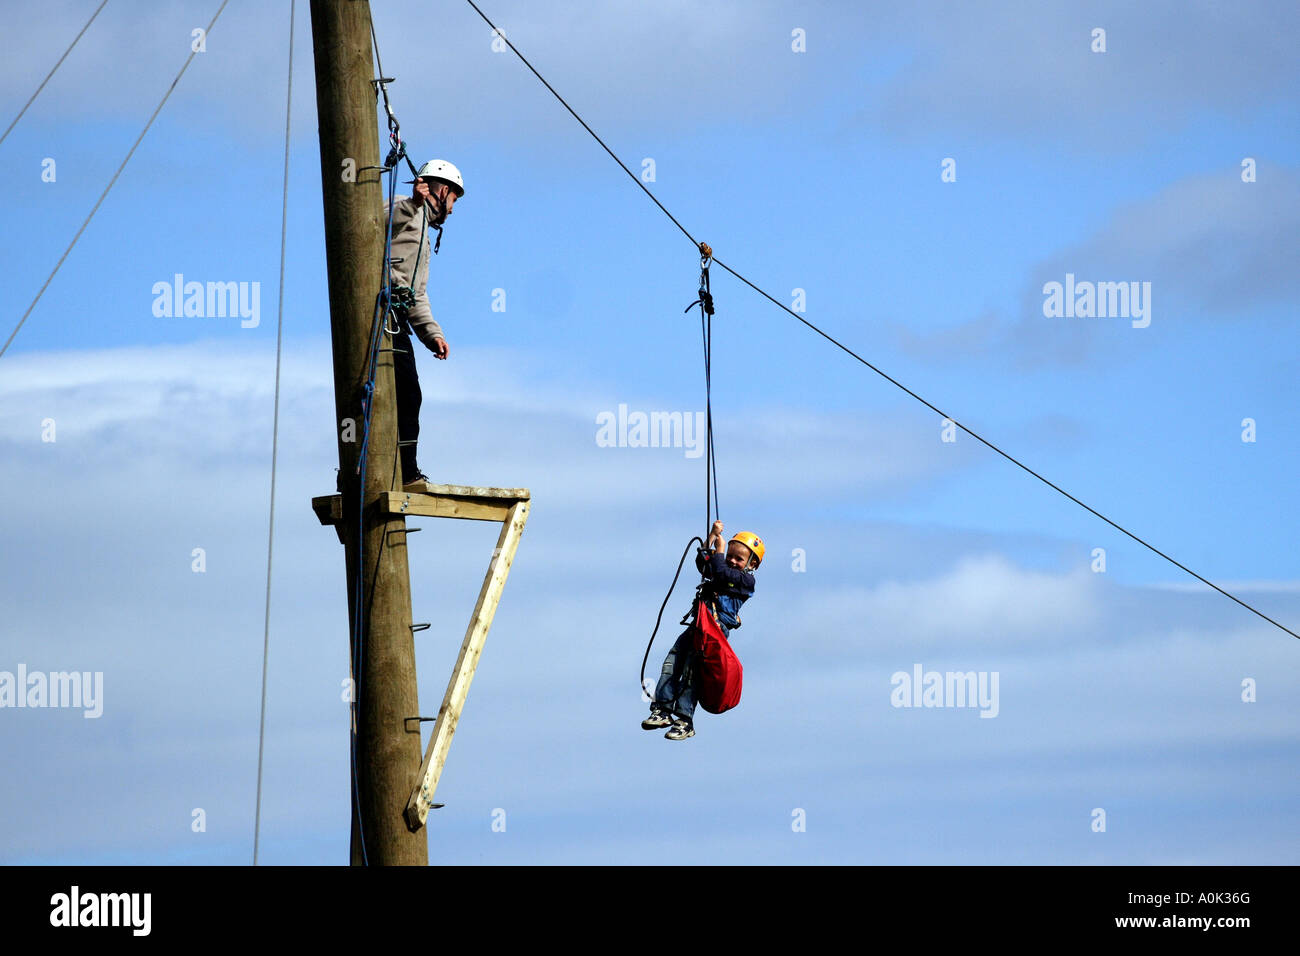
[817, 170]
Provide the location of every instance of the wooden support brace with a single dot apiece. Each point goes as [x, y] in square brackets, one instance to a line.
[515, 516]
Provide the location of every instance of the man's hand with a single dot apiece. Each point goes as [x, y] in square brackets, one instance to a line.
[422, 190]
[439, 348]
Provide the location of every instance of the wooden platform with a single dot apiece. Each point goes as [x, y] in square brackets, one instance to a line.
[441, 501]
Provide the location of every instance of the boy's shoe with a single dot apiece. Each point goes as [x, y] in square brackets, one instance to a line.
[680, 730]
[656, 720]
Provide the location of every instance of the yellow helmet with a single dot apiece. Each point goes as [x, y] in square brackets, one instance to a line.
[751, 541]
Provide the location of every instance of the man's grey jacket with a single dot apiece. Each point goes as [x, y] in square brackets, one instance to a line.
[410, 254]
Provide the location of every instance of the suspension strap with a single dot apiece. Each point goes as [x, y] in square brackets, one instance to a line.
[705, 302]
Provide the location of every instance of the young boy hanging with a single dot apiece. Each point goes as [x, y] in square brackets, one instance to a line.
[727, 583]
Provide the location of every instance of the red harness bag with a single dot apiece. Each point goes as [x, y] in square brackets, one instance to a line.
[718, 671]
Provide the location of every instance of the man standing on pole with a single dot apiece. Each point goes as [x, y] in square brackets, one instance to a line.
[437, 186]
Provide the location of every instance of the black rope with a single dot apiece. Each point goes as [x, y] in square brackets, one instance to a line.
[849, 351]
[658, 619]
[706, 314]
[705, 302]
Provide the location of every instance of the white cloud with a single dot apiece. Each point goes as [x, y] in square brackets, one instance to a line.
[1211, 246]
[983, 603]
[100, 578]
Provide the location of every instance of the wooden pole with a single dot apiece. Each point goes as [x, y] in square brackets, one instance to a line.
[388, 753]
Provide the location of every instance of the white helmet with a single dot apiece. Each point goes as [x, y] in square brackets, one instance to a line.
[445, 172]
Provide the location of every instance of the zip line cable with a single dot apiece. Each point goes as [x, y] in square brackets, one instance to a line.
[275, 436]
[1014, 461]
[111, 182]
[52, 72]
[855, 355]
[631, 174]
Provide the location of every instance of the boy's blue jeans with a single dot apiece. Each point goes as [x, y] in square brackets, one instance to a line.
[677, 679]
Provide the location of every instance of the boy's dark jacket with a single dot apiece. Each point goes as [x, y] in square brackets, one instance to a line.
[725, 588]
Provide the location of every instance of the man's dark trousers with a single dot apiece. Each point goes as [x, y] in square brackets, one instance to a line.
[409, 397]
